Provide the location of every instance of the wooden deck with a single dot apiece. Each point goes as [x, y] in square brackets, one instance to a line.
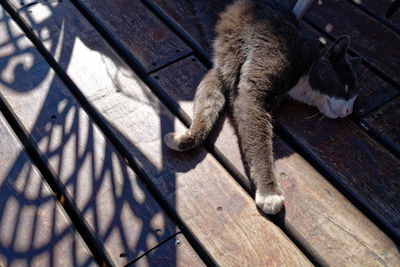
[88, 89]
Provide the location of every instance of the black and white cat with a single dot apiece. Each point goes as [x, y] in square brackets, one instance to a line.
[259, 57]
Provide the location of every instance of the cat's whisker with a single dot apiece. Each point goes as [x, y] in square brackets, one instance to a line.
[361, 88]
[323, 116]
[312, 116]
[360, 80]
[358, 84]
[362, 75]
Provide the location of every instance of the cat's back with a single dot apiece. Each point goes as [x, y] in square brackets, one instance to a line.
[245, 21]
[251, 14]
[265, 35]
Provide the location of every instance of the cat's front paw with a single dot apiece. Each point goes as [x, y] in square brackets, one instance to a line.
[269, 203]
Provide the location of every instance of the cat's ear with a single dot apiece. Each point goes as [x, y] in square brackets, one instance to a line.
[339, 47]
[355, 62]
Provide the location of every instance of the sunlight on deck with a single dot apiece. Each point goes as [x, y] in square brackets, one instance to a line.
[19, 53]
[117, 93]
[105, 189]
[34, 231]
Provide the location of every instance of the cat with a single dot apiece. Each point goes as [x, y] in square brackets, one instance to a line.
[259, 57]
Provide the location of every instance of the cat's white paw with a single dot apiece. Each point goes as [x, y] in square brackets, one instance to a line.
[270, 204]
[172, 140]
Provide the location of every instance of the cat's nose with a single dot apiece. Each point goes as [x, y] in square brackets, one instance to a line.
[349, 111]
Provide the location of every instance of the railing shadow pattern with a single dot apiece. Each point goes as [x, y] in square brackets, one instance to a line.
[109, 195]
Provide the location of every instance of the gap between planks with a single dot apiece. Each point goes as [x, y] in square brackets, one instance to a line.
[135, 65]
[380, 138]
[30, 206]
[352, 52]
[374, 15]
[62, 195]
[57, 187]
[95, 246]
[98, 119]
[303, 151]
[188, 120]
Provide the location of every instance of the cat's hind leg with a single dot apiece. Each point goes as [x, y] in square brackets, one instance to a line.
[255, 131]
[253, 121]
[209, 101]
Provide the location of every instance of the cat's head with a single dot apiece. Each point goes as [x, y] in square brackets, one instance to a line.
[334, 76]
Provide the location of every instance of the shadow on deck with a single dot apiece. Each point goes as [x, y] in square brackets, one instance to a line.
[91, 114]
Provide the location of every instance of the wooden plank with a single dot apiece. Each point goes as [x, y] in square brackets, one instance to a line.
[135, 26]
[161, 256]
[371, 39]
[373, 90]
[385, 167]
[328, 223]
[353, 157]
[335, 228]
[198, 19]
[222, 217]
[118, 208]
[34, 230]
[386, 120]
[194, 17]
[380, 7]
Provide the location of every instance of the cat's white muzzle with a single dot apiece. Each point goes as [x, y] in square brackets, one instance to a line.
[335, 108]
[332, 107]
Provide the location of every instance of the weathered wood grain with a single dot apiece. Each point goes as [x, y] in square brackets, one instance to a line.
[194, 17]
[198, 18]
[380, 7]
[135, 26]
[34, 230]
[115, 204]
[386, 120]
[362, 150]
[328, 223]
[356, 160]
[335, 228]
[373, 90]
[386, 165]
[161, 256]
[216, 210]
[371, 39]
